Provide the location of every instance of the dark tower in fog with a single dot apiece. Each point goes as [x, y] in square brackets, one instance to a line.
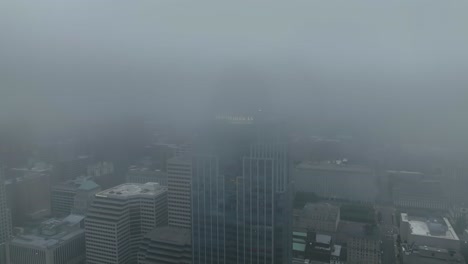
[241, 202]
[5, 219]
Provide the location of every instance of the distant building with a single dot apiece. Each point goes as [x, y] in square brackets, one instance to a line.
[69, 167]
[337, 180]
[431, 232]
[55, 241]
[318, 217]
[455, 179]
[179, 171]
[415, 190]
[166, 244]
[139, 174]
[362, 241]
[28, 192]
[103, 174]
[73, 193]
[119, 218]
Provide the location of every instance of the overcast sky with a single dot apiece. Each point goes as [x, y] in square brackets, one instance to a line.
[398, 66]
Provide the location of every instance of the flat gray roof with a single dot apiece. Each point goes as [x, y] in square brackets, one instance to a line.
[132, 189]
[171, 234]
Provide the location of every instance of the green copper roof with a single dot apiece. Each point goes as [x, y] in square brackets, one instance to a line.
[88, 185]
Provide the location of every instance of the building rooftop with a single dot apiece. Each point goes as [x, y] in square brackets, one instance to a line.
[336, 251]
[133, 189]
[348, 229]
[84, 183]
[343, 167]
[171, 234]
[435, 227]
[323, 239]
[299, 247]
[50, 233]
[322, 211]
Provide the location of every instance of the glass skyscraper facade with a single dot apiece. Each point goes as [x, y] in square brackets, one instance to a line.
[241, 202]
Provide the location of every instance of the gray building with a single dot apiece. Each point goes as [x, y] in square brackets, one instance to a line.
[179, 171]
[55, 241]
[5, 219]
[436, 232]
[28, 193]
[119, 218]
[318, 217]
[241, 197]
[166, 244]
[337, 180]
[71, 193]
[139, 174]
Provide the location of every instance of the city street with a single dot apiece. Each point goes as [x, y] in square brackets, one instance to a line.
[388, 232]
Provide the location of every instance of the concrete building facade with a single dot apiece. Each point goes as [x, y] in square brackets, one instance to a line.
[431, 232]
[55, 241]
[166, 244]
[67, 195]
[119, 218]
[318, 217]
[5, 219]
[336, 180]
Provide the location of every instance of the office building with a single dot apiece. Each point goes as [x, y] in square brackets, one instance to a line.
[241, 195]
[316, 248]
[414, 190]
[435, 232]
[5, 219]
[179, 171]
[166, 244]
[118, 219]
[362, 241]
[71, 193]
[318, 217]
[28, 192]
[431, 255]
[143, 174]
[54, 241]
[337, 180]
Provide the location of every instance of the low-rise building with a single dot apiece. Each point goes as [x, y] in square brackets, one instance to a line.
[316, 248]
[318, 217]
[362, 242]
[436, 232]
[73, 194]
[166, 244]
[431, 255]
[55, 241]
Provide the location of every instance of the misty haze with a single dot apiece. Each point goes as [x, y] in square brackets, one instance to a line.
[193, 132]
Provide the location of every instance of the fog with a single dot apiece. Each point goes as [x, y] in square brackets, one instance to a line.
[387, 71]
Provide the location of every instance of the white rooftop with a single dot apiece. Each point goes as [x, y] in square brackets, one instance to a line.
[39, 241]
[50, 233]
[133, 189]
[440, 228]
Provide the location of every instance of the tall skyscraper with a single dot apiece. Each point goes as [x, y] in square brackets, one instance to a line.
[263, 206]
[119, 218]
[241, 198]
[179, 171]
[5, 219]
